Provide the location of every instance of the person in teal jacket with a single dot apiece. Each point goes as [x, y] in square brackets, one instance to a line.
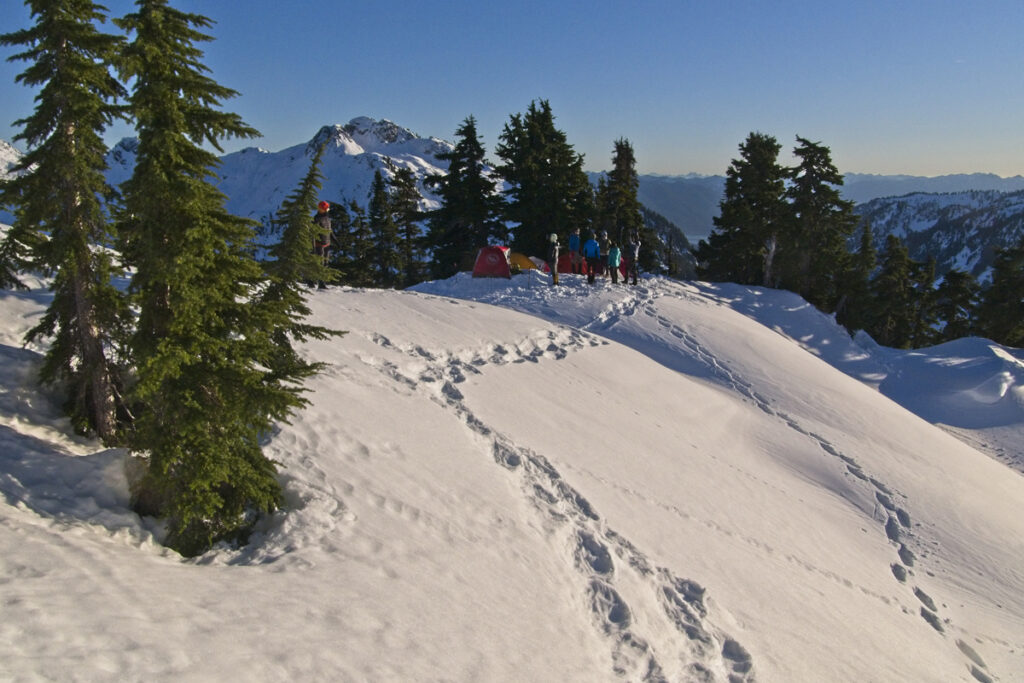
[614, 261]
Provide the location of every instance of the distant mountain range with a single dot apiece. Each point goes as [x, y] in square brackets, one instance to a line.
[691, 201]
[975, 214]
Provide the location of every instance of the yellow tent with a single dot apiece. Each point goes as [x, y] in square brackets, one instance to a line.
[521, 260]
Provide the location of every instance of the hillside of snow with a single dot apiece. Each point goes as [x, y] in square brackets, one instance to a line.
[503, 481]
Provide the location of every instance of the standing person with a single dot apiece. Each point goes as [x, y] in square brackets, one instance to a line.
[322, 235]
[604, 253]
[614, 261]
[575, 260]
[592, 253]
[633, 267]
[553, 258]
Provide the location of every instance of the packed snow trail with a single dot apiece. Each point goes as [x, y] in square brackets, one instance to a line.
[613, 319]
[618, 579]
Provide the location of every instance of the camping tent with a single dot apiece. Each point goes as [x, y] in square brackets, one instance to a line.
[565, 262]
[522, 260]
[528, 262]
[492, 262]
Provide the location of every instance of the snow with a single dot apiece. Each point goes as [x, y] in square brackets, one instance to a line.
[499, 480]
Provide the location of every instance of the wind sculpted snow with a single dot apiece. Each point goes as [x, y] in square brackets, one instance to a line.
[500, 480]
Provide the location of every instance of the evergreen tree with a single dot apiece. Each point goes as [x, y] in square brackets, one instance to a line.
[1001, 312]
[405, 203]
[549, 190]
[813, 251]
[893, 296]
[283, 302]
[468, 217]
[753, 215]
[924, 317]
[204, 398]
[385, 253]
[358, 268]
[60, 219]
[341, 241]
[855, 307]
[18, 244]
[956, 303]
[621, 208]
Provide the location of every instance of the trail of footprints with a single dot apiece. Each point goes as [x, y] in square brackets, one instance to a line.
[896, 520]
[601, 556]
[610, 568]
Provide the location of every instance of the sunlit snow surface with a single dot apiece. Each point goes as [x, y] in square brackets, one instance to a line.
[499, 480]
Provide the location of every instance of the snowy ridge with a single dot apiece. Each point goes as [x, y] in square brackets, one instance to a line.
[961, 230]
[257, 181]
[501, 480]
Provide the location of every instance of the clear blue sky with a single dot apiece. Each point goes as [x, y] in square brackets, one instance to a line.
[918, 87]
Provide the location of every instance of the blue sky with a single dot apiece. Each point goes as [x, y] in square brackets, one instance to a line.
[917, 87]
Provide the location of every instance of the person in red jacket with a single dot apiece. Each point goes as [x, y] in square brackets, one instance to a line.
[322, 235]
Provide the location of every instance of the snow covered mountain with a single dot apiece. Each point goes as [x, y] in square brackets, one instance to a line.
[256, 181]
[960, 230]
[499, 480]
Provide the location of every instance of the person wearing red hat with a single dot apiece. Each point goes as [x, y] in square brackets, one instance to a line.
[322, 233]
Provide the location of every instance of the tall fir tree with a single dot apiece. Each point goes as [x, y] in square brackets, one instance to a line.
[204, 399]
[405, 208]
[1001, 311]
[620, 213]
[855, 307]
[291, 266]
[61, 225]
[385, 252]
[956, 303]
[549, 191]
[356, 266]
[814, 249]
[341, 239]
[893, 296]
[753, 215]
[469, 215]
[621, 208]
[925, 317]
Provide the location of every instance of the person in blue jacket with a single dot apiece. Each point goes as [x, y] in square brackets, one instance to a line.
[575, 259]
[592, 253]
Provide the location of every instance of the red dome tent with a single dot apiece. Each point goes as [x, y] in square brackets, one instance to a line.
[492, 262]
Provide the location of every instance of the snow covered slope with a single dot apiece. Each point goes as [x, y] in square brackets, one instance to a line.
[499, 480]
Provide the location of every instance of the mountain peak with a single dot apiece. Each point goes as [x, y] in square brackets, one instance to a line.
[370, 133]
[363, 134]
